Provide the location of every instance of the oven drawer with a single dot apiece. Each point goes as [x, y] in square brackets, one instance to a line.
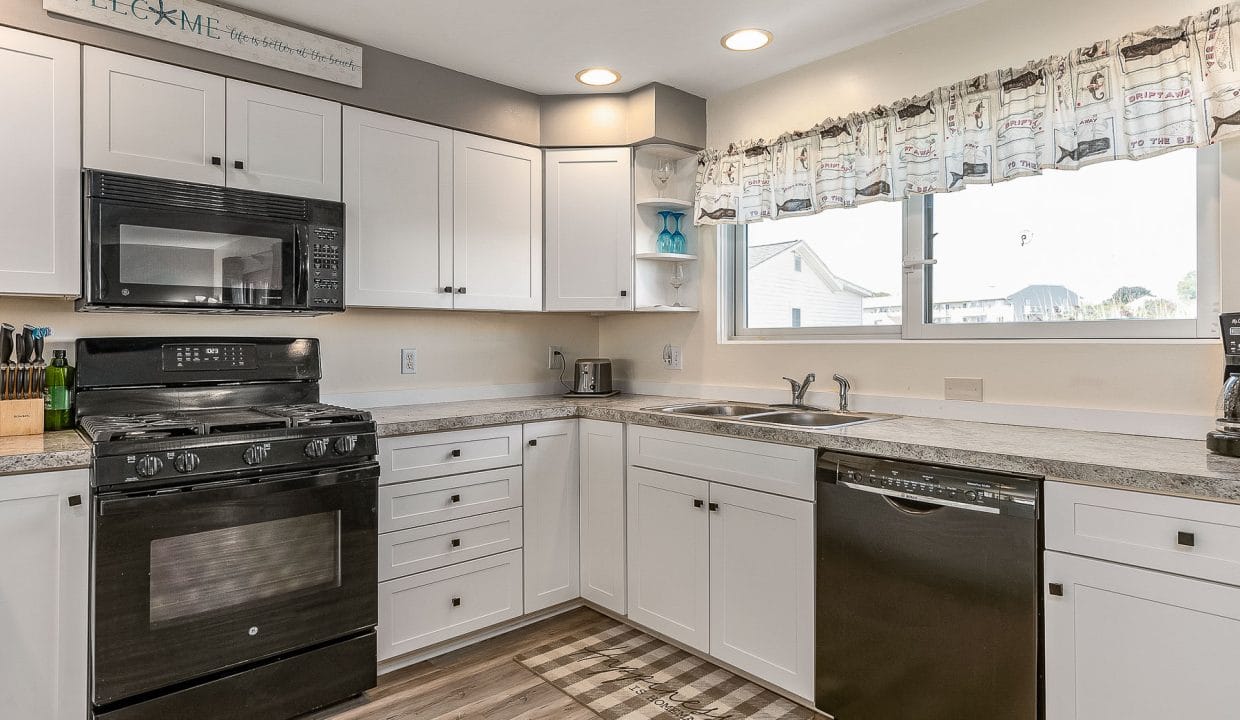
[419, 549]
[413, 457]
[768, 467]
[1197, 538]
[424, 502]
[437, 605]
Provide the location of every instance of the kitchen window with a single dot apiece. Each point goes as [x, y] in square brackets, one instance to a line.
[1116, 250]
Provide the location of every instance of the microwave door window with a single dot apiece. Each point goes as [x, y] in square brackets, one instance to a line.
[182, 266]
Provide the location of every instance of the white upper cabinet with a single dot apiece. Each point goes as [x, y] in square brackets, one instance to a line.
[589, 221]
[40, 141]
[551, 507]
[44, 589]
[150, 118]
[282, 142]
[497, 224]
[398, 211]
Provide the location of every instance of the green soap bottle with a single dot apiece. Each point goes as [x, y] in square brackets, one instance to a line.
[58, 397]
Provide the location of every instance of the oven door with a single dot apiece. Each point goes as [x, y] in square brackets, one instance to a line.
[193, 581]
[147, 256]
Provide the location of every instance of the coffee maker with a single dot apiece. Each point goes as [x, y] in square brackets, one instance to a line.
[1225, 438]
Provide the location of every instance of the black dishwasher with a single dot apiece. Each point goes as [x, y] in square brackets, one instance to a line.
[928, 591]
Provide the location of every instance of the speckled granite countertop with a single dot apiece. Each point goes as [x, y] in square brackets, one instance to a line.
[1161, 465]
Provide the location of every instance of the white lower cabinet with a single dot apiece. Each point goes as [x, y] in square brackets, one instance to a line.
[762, 585]
[44, 530]
[423, 609]
[552, 509]
[602, 514]
[1123, 643]
[668, 551]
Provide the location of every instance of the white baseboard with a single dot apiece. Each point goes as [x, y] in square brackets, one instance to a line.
[424, 396]
[1129, 422]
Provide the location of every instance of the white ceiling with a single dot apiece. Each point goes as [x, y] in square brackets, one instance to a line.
[538, 45]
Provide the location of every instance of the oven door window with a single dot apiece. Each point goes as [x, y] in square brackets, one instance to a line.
[162, 258]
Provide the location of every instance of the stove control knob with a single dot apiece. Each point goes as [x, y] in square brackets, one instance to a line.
[345, 445]
[186, 462]
[255, 454]
[149, 465]
[317, 447]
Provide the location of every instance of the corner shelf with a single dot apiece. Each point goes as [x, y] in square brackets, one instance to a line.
[665, 203]
[666, 257]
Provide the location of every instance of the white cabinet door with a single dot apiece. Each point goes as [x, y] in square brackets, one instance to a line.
[1130, 644]
[44, 530]
[398, 212]
[668, 550]
[282, 142]
[552, 508]
[602, 513]
[497, 224]
[762, 585]
[149, 118]
[589, 229]
[40, 142]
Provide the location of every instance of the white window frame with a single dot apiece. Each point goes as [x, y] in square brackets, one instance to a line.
[915, 324]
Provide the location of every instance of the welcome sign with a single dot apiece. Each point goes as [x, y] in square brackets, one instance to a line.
[216, 29]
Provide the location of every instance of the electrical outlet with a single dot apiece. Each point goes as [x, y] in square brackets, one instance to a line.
[962, 389]
[673, 359]
[555, 362]
[408, 361]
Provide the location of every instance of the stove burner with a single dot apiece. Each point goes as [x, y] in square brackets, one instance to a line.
[314, 414]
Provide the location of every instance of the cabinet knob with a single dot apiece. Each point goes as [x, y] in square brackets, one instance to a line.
[460, 290]
[456, 602]
[217, 160]
[456, 542]
[624, 293]
[456, 452]
[534, 443]
[1186, 539]
[713, 507]
[238, 164]
[1056, 589]
[448, 288]
[697, 503]
[456, 498]
[75, 500]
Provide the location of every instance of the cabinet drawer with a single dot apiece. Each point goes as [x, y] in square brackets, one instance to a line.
[419, 549]
[1197, 538]
[430, 607]
[424, 502]
[413, 457]
[779, 469]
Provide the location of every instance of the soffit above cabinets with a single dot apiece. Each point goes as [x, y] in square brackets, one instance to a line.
[540, 46]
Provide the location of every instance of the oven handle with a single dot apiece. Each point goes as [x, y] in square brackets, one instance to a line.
[288, 482]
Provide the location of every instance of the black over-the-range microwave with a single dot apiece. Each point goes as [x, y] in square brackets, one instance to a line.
[164, 245]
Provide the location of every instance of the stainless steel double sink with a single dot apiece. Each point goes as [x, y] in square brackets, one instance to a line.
[770, 414]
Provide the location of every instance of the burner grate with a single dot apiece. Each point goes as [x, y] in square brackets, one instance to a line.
[313, 414]
[153, 426]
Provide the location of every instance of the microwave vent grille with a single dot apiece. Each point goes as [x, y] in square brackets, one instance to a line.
[203, 198]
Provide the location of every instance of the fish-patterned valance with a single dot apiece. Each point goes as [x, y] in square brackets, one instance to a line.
[1137, 96]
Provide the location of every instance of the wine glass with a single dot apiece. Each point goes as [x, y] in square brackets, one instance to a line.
[662, 173]
[678, 279]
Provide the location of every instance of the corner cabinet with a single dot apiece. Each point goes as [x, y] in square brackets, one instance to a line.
[40, 141]
[589, 222]
[551, 508]
[44, 530]
[497, 224]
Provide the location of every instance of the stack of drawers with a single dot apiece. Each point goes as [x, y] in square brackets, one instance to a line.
[450, 535]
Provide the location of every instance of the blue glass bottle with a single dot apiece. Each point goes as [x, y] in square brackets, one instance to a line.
[679, 245]
[665, 243]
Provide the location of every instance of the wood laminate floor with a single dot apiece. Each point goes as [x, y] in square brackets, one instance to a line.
[480, 682]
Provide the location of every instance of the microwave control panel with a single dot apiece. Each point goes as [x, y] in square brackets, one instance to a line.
[326, 271]
[226, 356]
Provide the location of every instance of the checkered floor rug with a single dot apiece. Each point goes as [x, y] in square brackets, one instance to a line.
[624, 674]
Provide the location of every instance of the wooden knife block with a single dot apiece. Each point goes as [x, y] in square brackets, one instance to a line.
[21, 417]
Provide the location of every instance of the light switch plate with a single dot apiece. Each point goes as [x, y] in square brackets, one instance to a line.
[408, 361]
[962, 389]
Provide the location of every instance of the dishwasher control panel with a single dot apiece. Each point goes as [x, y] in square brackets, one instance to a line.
[933, 484]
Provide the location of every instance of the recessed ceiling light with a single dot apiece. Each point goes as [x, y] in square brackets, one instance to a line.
[746, 39]
[598, 76]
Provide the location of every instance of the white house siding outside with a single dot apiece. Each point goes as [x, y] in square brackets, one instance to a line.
[776, 287]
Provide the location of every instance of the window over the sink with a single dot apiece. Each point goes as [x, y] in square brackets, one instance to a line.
[1117, 250]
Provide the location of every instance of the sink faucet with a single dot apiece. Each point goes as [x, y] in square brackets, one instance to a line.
[800, 388]
[844, 387]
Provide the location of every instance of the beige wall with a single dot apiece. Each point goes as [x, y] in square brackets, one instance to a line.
[1157, 377]
[361, 347]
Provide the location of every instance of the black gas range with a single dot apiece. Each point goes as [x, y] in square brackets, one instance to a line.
[234, 545]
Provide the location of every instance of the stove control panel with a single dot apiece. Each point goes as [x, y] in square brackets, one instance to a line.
[225, 356]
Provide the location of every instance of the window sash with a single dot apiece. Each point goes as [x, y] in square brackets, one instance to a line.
[916, 299]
